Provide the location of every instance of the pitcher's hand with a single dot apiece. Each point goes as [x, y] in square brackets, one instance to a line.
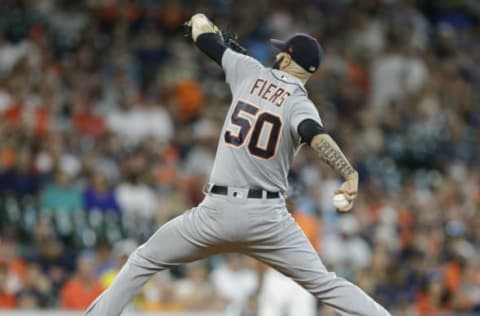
[349, 189]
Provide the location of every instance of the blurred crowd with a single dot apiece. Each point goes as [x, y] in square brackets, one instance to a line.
[109, 120]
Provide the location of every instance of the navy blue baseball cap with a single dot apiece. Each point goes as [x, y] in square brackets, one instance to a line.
[304, 49]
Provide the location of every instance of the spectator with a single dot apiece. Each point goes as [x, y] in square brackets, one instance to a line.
[143, 119]
[388, 76]
[235, 282]
[82, 288]
[467, 298]
[49, 253]
[67, 22]
[37, 290]
[98, 195]
[85, 120]
[195, 292]
[104, 260]
[135, 197]
[10, 54]
[7, 299]
[121, 117]
[158, 295]
[25, 180]
[12, 270]
[200, 157]
[348, 252]
[61, 196]
[121, 250]
[188, 99]
[151, 54]
[280, 295]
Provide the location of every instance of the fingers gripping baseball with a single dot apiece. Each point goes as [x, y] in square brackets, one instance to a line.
[349, 191]
[201, 24]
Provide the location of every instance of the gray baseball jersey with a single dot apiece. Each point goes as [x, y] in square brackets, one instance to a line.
[256, 147]
[259, 137]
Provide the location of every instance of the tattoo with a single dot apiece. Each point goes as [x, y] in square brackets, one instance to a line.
[330, 153]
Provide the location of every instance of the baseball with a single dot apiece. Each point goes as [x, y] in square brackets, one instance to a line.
[340, 201]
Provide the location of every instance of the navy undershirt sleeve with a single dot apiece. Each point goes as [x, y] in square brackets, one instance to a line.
[211, 45]
[308, 129]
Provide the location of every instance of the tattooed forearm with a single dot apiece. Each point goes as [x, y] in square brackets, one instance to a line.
[330, 153]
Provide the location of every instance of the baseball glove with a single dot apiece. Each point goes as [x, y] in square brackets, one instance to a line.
[228, 39]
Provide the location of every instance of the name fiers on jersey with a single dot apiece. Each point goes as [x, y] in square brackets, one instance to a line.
[269, 92]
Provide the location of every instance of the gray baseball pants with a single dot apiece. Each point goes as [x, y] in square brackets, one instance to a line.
[260, 228]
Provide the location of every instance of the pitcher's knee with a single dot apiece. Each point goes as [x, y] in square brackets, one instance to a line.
[140, 259]
[321, 283]
[135, 257]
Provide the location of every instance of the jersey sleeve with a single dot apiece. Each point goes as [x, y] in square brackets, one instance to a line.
[301, 111]
[238, 66]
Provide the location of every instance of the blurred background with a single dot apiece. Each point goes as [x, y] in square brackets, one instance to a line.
[109, 120]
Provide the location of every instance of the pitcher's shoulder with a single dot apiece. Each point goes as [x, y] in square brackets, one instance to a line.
[298, 98]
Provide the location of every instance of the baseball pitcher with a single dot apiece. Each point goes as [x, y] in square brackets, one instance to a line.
[244, 210]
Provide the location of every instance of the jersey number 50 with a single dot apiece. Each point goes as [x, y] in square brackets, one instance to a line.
[244, 116]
